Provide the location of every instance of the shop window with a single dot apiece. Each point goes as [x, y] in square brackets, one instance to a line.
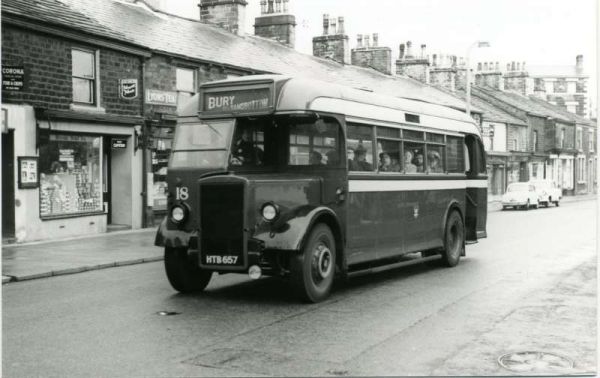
[186, 85]
[70, 175]
[84, 76]
[360, 148]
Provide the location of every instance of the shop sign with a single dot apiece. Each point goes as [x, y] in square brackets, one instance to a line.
[246, 100]
[128, 88]
[13, 78]
[28, 172]
[156, 97]
[119, 143]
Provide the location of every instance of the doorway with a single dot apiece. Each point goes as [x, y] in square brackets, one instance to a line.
[8, 185]
[106, 179]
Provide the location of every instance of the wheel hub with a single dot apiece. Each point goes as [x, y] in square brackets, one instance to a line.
[322, 263]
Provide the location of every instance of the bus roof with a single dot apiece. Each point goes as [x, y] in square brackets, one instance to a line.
[300, 94]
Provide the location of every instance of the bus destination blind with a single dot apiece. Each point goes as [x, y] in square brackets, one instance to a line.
[246, 100]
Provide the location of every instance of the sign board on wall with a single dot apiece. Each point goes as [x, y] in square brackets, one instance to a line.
[128, 88]
[118, 143]
[156, 97]
[13, 78]
[28, 172]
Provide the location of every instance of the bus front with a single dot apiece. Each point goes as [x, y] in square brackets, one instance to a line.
[247, 186]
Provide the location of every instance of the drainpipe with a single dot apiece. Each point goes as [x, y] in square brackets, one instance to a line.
[144, 151]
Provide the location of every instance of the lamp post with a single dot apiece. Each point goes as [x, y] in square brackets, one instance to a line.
[468, 89]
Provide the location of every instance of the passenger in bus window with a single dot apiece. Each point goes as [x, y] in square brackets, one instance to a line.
[360, 159]
[409, 167]
[315, 158]
[332, 158]
[434, 162]
[419, 162]
[350, 156]
[244, 152]
[386, 164]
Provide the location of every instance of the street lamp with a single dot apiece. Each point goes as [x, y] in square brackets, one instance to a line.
[475, 44]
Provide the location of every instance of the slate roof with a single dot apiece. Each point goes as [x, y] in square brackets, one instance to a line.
[524, 103]
[490, 112]
[54, 12]
[565, 113]
[183, 37]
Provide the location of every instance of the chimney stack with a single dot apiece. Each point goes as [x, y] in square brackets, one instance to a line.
[333, 44]
[274, 24]
[226, 14]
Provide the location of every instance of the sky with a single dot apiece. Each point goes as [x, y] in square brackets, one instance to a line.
[538, 32]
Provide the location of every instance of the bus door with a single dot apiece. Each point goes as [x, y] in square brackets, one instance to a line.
[476, 192]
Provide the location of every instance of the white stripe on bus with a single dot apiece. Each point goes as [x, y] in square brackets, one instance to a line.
[402, 185]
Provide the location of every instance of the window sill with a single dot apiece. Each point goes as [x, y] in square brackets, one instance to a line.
[87, 108]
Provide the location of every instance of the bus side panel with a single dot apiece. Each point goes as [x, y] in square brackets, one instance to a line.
[362, 226]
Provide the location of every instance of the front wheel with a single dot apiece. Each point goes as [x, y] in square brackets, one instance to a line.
[454, 239]
[313, 269]
[183, 272]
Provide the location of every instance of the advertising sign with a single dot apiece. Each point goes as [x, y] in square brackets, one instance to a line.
[156, 97]
[128, 88]
[118, 143]
[28, 172]
[13, 78]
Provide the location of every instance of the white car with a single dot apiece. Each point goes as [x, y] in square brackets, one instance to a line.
[547, 192]
[520, 195]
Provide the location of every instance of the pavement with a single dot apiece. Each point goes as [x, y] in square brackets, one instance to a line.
[33, 260]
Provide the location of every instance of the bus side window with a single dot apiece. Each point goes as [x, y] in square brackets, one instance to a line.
[467, 160]
[359, 146]
[456, 155]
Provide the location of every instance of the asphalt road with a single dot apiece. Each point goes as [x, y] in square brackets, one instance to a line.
[531, 286]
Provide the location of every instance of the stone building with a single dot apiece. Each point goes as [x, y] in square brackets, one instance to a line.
[372, 56]
[333, 43]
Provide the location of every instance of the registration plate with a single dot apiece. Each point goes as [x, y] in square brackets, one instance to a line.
[220, 260]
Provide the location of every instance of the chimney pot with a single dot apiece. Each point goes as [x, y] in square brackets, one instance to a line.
[285, 6]
[263, 6]
[497, 66]
[579, 63]
[270, 9]
[367, 42]
[277, 6]
[434, 60]
[359, 40]
[479, 66]
[341, 25]
[333, 26]
[523, 67]
[401, 57]
[375, 39]
[325, 24]
[423, 53]
[409, 54]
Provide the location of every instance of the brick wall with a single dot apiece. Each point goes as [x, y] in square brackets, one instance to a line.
[226, 14]
[516, 138]
[377, 58]
[48, 68]
[516, 81]
[417, 69]
[334, 47]
[569, 135]
[281, 28]
[537, 124]
[443, 77]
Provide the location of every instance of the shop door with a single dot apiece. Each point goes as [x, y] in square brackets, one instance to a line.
[106, 178]
[8, 185]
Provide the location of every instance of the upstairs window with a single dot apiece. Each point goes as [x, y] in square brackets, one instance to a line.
[185, 84]
[560, 85]
[84, 76]
[535, 140]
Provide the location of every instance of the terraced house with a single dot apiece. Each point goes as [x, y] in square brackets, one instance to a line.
[91, 90]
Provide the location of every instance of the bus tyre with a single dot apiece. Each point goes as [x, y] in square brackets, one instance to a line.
[454, 239]
[313, 269]
[183, 272]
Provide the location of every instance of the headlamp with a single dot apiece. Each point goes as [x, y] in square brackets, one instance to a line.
[270, 211]
[178, 213]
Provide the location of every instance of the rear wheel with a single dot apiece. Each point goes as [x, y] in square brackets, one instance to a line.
[183, 272]
[313, 269]
[454, 239]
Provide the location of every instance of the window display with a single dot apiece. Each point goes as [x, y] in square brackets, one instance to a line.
[70, 175]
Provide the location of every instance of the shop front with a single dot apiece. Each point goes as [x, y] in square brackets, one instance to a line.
[561, 171]
[74, 175]
[497, 175]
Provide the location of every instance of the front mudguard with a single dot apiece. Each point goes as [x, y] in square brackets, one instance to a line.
[290, 234]
[173, 238]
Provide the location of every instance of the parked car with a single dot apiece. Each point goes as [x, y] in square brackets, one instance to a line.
[520, 195]
[547, 192]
